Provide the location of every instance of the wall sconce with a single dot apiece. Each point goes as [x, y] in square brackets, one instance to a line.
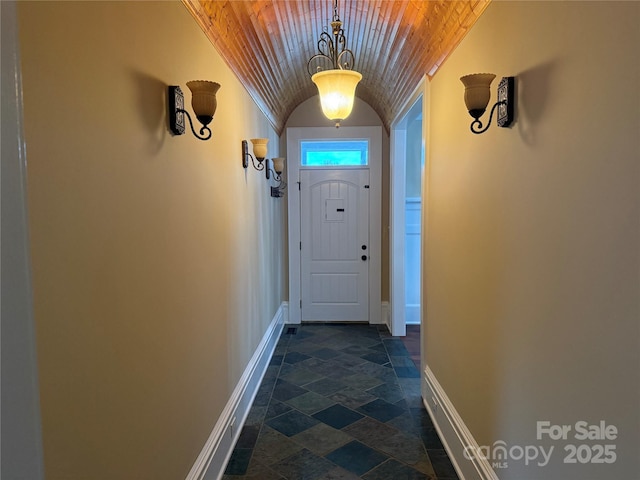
[260, 153]
[477, 94]
[203, 101]
[278, 167]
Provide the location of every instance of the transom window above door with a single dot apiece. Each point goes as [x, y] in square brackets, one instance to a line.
[334, 153]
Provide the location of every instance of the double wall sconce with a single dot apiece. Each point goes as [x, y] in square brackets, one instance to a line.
[203, 101]
[260, 162]
[477, 94]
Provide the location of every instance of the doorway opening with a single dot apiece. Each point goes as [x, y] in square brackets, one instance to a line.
[334, 224]
[407, 162]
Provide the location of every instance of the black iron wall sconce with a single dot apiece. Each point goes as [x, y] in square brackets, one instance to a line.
[260, 152]
[260, 163]
[278, 168]
[477, 94]
[203, 101]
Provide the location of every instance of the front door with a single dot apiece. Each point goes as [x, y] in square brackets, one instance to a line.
[334, 250]
[332, 217]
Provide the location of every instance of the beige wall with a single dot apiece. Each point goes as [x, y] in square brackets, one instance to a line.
[157, 260]
[532, 256]
[309, 114]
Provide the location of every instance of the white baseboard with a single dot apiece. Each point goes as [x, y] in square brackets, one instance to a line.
[453, 432]
[385, 314]
[216, 452]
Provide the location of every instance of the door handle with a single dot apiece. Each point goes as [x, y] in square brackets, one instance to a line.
[363, 257]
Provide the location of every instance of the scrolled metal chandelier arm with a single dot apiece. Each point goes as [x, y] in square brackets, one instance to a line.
[332, 50]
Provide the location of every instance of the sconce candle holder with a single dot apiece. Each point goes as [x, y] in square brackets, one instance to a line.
[203, 101]
[477, 94]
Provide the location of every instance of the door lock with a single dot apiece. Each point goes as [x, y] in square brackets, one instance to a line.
[364, 247]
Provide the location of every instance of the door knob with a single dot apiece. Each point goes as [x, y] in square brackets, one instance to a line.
[363, 257]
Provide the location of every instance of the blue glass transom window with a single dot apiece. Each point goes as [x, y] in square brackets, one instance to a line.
[334, 153]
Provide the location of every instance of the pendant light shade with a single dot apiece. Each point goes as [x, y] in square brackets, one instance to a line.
[337, 89]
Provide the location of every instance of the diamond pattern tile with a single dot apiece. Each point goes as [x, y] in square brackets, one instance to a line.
[340, 402]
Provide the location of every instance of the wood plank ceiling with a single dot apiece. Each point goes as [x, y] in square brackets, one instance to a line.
[267, 44]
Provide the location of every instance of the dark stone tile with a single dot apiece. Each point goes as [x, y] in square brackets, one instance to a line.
[295, 357]
[276, 408]
[303, 465]
[256, 415]
[395, 347]
[371, 432]
[272, 446]
[376, 357]
[405, 448]
[263, 396]
[349, 361]
[301, 376]
[356, 350]
[326, 386]
[356, 457]
[406, 423]
[401, 361]
[389, 392]
[361, 381]
[380, 410]
[378, 347]
[310, 402]
[325, 353]
[441, 464]
[248, 436]
[322, 439]
[337, 416]
[351, 397]
[276, 360]
[338, 474]
[239, 461]
[284, 390]
[292, 423]
[431, 439]
[392, 469]
[375, 370]
[407, 372]
[259, 471]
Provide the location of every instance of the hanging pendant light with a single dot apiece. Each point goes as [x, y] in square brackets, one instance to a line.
[330, 70]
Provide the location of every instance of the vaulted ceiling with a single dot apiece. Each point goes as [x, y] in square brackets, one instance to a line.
[267, 44]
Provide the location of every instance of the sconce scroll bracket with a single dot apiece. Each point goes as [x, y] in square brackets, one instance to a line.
[177, 114]
[506, 93]
[176, 110]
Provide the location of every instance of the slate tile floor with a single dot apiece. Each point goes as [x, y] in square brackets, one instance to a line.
[339, 402]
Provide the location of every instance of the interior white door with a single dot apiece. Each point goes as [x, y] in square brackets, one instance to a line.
[334, 250]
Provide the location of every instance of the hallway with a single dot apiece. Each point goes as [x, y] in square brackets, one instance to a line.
[339, 402]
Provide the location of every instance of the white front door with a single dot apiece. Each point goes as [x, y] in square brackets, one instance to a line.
[334, 258]
[329, 165]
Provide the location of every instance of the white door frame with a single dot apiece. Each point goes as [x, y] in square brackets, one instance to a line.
[294, 137]
[397, 210]
[21, 425]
